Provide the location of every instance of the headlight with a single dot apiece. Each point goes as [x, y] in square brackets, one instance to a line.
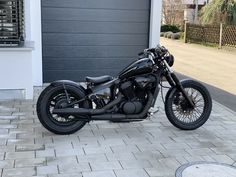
[170, 59]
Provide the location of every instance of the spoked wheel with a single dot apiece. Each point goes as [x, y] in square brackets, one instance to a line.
[55, 97]
[181, 114]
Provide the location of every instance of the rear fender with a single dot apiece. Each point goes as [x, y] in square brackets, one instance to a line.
[70, 83]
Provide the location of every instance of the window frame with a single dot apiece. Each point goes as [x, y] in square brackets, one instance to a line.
[12, 32]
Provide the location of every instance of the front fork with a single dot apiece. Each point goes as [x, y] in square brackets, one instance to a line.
[174, 82]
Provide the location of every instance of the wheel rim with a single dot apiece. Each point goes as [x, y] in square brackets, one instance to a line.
[59, 100]
[183, 112]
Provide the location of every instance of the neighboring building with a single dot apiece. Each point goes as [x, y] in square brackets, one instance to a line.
[74, 38]
[176, 12]
[190, 6]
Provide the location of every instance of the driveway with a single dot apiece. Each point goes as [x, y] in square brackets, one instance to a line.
[152, 148]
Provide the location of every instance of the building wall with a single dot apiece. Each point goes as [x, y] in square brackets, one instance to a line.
[21, 68]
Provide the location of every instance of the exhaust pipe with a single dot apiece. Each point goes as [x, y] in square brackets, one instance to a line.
[83, 111]
[139, 116]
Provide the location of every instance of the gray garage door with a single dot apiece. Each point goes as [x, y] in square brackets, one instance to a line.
[92, 37]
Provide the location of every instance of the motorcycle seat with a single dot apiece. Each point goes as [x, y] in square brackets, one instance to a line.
[98, 80]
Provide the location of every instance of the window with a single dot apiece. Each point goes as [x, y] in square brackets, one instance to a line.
[11, 23]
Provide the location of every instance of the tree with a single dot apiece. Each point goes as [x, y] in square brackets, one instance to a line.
[172, 11]
[219, 11]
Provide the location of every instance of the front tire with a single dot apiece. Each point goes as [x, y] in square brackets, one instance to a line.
[55, 96]
[179, 114]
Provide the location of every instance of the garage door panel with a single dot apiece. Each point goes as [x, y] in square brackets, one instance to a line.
[95, 27]
[103, 4]
[77, 75]
[88, 37]
[91, 51]
[63, 39]
[95, 15]
[82, 64]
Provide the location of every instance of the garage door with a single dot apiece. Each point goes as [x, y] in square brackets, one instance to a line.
[92, 37]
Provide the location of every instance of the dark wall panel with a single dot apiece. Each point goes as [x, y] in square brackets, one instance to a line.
[87, 37]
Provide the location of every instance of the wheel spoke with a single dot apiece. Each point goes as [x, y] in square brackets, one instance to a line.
[188, 115]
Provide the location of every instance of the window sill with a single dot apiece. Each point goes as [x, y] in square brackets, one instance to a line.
[27, 47]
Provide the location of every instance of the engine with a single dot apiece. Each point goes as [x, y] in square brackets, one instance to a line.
[135, 92]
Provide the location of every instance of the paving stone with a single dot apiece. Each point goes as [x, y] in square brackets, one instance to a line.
[138, 164]
[16, 172]
[132, 172]
[150, 147]
[8, 126]
[97, 150]
[3, 131]
[30, 162]
[195, 145]
[225, 150]
[61, 160]
[8, 117]
[105, 165]
[99, 174]
[174, 153]
[92, 158]
[74, 168]
[3, 141]
[44, 140]
[148, 155]
[20, 141]
[125, 148]
[45, 153]
[66, 175]
[20, 155]
[120, 156]
[33, 147]
[111, 142]
[223, 159]
[6, 164]
[175, 146]
[44, 170]
[69, 152]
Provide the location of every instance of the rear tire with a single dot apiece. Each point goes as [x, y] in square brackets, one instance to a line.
[183, 121]
[48, 119]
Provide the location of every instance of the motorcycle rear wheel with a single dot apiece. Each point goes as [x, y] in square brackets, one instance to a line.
[180, 114]
[54, 96]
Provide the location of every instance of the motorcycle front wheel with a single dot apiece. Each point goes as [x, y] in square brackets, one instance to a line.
[55, 97]
[178, 111]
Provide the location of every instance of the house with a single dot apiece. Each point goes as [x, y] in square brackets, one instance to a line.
[190, 7]
[69, 39]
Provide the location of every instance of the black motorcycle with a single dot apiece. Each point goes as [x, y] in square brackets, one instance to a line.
[64, 106]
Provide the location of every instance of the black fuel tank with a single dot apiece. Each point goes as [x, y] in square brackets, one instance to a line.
[143, 66]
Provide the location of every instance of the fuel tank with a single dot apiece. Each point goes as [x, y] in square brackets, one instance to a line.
[143, 66]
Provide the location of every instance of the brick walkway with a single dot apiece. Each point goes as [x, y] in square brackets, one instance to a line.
[152, 148]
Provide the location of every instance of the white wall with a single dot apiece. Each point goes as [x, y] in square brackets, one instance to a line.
[16, 70]
[34, 34]
[21, 68]
[155, 23]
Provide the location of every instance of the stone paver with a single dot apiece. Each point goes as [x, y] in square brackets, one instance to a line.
[152, 148]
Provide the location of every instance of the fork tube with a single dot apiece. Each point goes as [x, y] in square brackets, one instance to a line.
[181, 88]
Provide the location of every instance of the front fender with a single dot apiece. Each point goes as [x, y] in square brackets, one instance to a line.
[71, 83]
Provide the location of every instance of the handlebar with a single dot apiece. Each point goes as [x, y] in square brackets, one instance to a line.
[157, 52]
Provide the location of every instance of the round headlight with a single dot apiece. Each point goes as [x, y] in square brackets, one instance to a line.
[170, 60]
